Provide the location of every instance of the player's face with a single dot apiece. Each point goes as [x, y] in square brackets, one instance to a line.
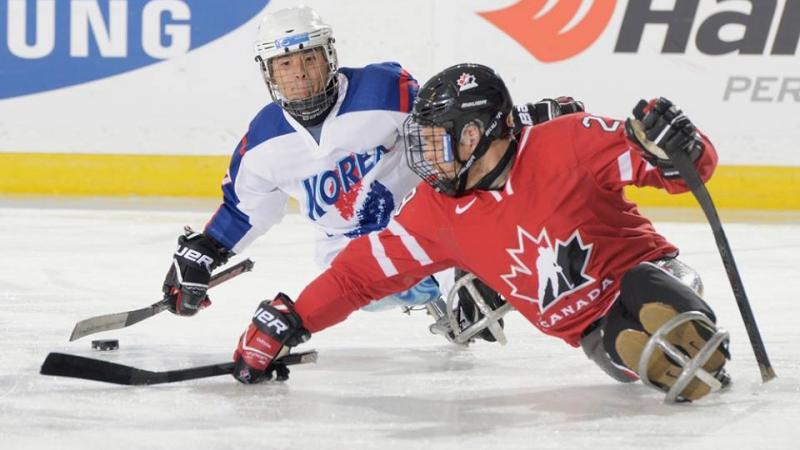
[300, 75]
[437, 151]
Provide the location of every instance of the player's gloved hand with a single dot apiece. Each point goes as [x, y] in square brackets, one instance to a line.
[530, 114]
[274, 329]
[187, 280]
[659, 129]
[568, 105]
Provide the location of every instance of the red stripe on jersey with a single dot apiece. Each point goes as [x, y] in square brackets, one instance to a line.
[243, 145]
[404, 87]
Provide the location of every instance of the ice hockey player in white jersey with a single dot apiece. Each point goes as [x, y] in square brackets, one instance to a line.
[548, 209]
[332, 140]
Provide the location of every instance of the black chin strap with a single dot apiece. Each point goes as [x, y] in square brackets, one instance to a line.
[322, 115]
[463, 173]
[494, 130]
[488, 180]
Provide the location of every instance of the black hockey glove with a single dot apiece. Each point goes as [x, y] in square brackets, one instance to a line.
[530, 114]
[658, 128]
[187, 280]
[274, 329]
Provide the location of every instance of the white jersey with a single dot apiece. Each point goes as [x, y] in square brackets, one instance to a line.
[347, 185]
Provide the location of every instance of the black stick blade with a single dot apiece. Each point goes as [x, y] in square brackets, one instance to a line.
[63, 365]
[74, 366]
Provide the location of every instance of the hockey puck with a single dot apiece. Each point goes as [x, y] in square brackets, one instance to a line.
[105, 344]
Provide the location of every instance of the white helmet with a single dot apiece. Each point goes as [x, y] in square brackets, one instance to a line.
[292, 30]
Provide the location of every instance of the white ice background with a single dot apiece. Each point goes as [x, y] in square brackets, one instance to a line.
[382, 380]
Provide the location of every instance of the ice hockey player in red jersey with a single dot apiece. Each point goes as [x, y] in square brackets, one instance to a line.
[544, 221]
[347, 184]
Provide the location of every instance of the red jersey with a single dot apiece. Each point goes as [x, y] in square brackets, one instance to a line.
[555, 241]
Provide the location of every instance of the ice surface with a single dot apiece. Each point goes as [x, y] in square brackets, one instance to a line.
[382, 381]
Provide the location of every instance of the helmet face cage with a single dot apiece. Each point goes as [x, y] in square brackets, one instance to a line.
[432, 153]
[303, 82]
[295, 53]
[446, 107]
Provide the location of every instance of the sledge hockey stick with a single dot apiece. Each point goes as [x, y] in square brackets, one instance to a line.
[692, 179]
[74, 366]
[116, 321]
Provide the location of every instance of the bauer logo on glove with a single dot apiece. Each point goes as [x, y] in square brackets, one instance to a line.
[270, 320]
[187, 280]
[197, 257]
[275, 328]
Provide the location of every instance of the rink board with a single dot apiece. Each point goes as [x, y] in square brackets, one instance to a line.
[741, 187]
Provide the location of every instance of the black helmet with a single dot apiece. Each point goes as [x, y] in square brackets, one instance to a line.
[461, 95]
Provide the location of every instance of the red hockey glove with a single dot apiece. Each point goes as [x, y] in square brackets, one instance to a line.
[187, 279]
[658, 128]
[274, 329]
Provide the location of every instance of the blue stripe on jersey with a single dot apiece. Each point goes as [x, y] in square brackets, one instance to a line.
[269, 123]
[229, 224]
[384, 86]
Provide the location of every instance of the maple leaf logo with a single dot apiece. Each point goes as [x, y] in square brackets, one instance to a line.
[542, 273]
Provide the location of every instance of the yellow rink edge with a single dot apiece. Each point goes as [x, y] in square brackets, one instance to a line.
[61, 174]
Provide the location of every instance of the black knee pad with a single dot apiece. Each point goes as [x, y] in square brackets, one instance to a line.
[648, 283]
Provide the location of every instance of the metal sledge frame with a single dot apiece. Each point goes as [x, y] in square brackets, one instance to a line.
[691, 367]
[489, 320]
